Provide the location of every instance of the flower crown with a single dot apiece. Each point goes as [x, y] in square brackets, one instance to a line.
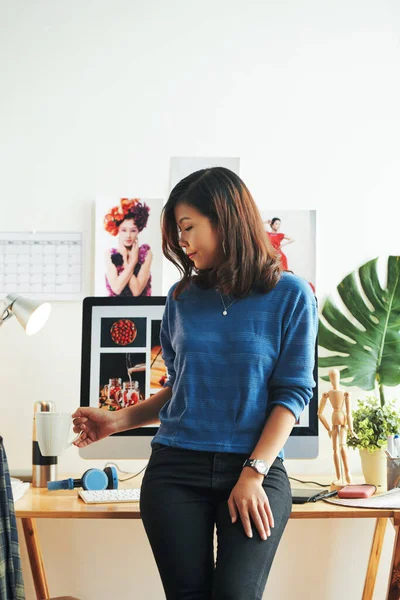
[133, 208]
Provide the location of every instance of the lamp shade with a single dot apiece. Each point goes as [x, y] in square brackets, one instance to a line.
[31, 314]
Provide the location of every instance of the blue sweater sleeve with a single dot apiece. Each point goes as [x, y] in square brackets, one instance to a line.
[292, 380]
[168, 354]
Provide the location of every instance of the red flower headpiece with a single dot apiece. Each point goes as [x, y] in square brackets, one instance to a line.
[132, 209]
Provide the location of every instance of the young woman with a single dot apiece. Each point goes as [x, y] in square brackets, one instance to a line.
[128, 266]
[238, 338]
[277, 242]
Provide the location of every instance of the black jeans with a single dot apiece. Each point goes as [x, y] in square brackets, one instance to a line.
[184, 495]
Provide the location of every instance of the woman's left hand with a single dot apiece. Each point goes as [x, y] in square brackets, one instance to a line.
[249, 500]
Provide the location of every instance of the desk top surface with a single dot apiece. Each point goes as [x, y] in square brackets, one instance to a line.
[64, 504]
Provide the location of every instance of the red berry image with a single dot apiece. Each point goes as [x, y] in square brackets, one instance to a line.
[123, 332]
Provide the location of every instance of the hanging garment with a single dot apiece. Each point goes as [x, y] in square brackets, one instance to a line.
[11, 582]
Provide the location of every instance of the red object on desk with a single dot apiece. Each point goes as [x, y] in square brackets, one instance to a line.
[364, 490]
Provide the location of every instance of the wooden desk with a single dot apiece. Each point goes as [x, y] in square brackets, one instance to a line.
[41, 504]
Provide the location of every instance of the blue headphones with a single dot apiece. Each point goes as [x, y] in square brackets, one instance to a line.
[92, 479]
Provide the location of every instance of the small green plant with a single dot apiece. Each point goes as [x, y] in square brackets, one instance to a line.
[373, 423]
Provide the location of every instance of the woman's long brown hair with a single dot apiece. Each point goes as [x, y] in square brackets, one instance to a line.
[250, 262]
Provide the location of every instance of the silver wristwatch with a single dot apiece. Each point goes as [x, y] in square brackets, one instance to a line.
[261, 466]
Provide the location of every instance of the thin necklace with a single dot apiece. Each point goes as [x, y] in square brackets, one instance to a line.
[225, 311]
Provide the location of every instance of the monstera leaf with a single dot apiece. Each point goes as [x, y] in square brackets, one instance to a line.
[370, 350]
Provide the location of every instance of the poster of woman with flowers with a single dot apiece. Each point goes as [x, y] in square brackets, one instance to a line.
[128, 247]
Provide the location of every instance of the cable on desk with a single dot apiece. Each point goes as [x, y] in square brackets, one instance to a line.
[111, 464]
[324, 485]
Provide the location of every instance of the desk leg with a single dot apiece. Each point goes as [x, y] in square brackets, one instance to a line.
[374, 558]
[35, 558]
[393, 592]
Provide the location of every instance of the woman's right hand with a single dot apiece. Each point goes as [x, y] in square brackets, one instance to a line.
[134, 254]
[123, 252]
[95, 424]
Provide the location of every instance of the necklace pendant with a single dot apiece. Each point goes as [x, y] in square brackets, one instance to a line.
[224, 312]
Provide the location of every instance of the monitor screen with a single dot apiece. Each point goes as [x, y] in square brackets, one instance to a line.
[122, 366]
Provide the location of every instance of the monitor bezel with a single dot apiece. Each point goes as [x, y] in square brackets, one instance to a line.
[312, 428]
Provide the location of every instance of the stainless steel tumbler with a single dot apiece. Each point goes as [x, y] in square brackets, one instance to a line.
[44, 468]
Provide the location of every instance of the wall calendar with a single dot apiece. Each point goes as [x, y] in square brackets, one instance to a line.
[46, 265]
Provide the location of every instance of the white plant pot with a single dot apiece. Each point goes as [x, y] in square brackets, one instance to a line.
[374, 468]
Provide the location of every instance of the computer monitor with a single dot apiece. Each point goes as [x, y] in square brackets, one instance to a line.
[122, 365]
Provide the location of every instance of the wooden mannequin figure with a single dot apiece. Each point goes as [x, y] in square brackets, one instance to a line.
[341, 423]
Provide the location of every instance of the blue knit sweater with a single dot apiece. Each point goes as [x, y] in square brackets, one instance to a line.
[227, 372]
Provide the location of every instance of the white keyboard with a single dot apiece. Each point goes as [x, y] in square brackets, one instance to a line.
[108, 496]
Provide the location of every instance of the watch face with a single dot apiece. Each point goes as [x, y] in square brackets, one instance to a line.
[261, 466]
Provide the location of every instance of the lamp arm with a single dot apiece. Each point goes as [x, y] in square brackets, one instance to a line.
[5, 312]
[6, 315]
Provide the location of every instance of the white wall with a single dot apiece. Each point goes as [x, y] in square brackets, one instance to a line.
[95, 98]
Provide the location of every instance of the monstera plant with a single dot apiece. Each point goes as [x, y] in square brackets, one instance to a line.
[367, 346]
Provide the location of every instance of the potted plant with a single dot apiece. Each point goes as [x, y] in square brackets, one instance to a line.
[366, 341]
[373, 423]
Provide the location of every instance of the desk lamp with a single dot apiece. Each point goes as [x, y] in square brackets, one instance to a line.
[31, 314]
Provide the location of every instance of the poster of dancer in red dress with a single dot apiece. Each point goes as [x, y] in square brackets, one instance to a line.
[278, 240]
[293, 235]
